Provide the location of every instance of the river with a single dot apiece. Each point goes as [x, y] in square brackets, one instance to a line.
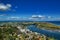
[45, 32]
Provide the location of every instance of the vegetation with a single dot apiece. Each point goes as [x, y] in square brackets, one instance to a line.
[9, 30]
[46, 25]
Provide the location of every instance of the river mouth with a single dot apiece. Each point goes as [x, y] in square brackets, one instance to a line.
[45, 32]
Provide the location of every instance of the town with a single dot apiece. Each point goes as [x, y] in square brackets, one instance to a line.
[19, 31]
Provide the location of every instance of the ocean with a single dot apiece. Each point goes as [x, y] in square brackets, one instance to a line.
[55, 22]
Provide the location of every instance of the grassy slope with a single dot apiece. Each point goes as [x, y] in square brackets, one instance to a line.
[48, 25]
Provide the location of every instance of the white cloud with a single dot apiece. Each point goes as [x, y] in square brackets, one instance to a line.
[2, 14]
[33, 18]
[5, 7]
[56, 19]
[8, 5]
[49, 17]
[13, 18]
[37, 16]
[40, 17]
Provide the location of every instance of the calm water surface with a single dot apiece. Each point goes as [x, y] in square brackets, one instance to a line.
[45, 32]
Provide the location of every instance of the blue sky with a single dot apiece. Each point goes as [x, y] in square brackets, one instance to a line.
[30, 10]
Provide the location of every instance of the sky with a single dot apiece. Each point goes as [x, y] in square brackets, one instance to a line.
[36, 10]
